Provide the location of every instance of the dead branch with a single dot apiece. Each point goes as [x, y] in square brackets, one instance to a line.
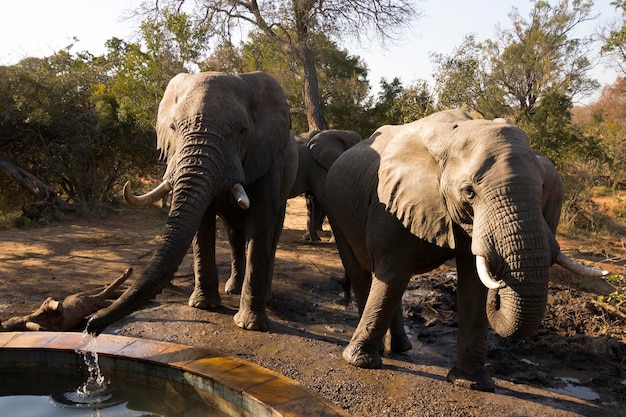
[64, 316]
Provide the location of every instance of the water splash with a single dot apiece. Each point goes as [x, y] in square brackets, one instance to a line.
[95, 392]
[96, 382]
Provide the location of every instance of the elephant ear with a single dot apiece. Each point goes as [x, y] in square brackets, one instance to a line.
[272, 123]
[166, 137]
[409, 181]
[326, 146]
[552, 193]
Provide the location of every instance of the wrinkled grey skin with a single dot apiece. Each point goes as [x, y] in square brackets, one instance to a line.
[216, 130]
[411, 197]
[317, 151]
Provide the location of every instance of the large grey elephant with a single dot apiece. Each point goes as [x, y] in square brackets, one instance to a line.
[229, 151]
[317, 150]
[413, 196]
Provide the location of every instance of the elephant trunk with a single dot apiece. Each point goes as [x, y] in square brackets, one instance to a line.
[519, 249]
[194, 189]
[516, 311]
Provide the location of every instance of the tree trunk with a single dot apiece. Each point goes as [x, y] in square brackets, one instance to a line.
[311, 93]
[312, 102]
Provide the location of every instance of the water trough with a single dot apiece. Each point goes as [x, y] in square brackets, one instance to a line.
[233, 386]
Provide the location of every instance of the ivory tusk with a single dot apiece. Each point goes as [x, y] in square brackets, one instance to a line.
[148, 198]
[485, 276]
[573, 266]
[240, 196]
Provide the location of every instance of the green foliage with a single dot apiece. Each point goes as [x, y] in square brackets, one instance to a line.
[399, 105]
[510, 76]
[551, 131]
[342, 78]
[295, 30]
[617, 297]
[615, 39]
[62, 125]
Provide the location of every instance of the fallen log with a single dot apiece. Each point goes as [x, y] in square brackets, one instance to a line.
[62, 316]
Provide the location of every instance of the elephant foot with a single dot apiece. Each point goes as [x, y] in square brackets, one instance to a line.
[250, 320]
[363, 356]
[199, 299]
[479, 380]
[232, 286]
[400, 343]
[311, 237]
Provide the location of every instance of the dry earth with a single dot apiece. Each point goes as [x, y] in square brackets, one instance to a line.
[573, 366]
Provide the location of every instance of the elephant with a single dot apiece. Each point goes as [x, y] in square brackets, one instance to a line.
[413, 196]
[317, 150]
[230, 152]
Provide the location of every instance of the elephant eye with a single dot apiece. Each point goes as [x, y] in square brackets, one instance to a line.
[243, 131]
[173, 127]
[468, 192]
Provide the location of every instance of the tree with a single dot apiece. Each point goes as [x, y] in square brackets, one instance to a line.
[614, 38]
[605, 119]
[292, 26]
[540, 55]
[342, 77]
[463, 80]
[399, 105]
[61, 129]
[141, 70]
[530, 74]
[508, 76]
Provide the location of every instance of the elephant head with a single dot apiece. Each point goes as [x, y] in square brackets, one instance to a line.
[326, 145]
[218, 133]
[317, 151]
[480, 189]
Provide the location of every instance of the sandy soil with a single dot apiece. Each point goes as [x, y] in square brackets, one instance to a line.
[573, 366]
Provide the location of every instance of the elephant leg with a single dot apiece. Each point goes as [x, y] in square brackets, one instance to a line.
[382, 304]
[205, 294]
[237, 241]
[315, 219]
[469, 370]
[399, 341]
[265, 228]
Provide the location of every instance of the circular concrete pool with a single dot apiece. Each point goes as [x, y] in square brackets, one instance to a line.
[230, 385]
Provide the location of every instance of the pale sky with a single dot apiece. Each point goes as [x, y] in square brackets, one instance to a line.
[41, 27]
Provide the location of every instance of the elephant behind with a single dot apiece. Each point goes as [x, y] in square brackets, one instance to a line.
[229, 151]
[317, 151]
[447, 186]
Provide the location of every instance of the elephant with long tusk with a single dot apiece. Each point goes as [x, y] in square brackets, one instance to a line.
[447, 186]
[163, 189]
[230, 152]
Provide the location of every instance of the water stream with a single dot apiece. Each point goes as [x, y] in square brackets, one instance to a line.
[96, 391]
[69, 391]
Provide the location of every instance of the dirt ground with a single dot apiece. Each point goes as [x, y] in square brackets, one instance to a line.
[574, 365]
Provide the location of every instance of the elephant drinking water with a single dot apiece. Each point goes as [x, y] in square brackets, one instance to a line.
[229, 152]
[447, 186]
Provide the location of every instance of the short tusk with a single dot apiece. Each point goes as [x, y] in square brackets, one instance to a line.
[573, 266]
[485, 276]
[148, 198]
[240, 196]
